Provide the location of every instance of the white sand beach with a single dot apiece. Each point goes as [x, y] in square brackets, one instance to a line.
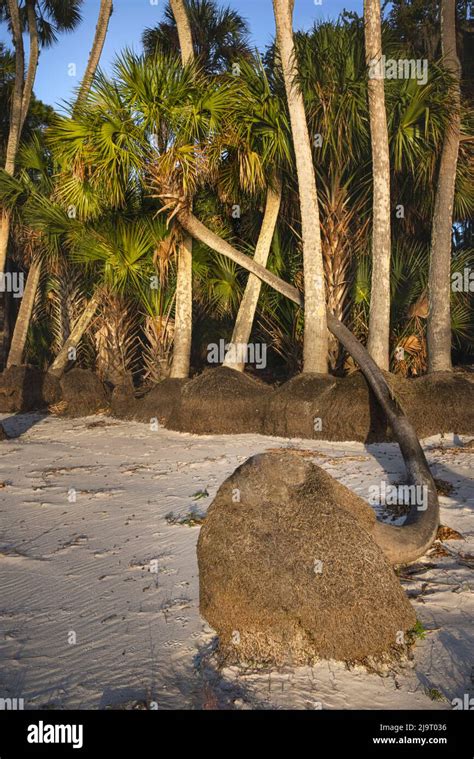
[99, 581]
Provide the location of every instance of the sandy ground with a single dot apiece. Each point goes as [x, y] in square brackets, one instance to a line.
[99, 584]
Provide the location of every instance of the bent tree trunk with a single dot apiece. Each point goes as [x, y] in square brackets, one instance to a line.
[315, 350]
[64, 356]
[439, 283]
[248, 306]
[379, 321]
[20, 333]
[97, 46]
[403, 544]
[183, 326]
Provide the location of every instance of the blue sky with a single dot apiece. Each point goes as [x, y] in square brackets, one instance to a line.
[54, 84]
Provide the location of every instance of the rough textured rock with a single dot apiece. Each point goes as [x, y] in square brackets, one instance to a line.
[322, 407]
[220, 401]
[158, 403]
[289, 572]
[83, 393]
[21, 389]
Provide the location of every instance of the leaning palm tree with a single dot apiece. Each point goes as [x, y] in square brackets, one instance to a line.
[260, 125]
[379, 325]
[401, 545]
[315, 335]
[439, 288]
[16, 193]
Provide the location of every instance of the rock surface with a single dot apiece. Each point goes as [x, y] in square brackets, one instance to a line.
[289, 572]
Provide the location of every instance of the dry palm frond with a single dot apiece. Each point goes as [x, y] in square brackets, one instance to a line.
[410, 356]
[116, 339]
[65, 303]
[157, 348]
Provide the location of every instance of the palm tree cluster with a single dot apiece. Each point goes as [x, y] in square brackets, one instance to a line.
[187, 198]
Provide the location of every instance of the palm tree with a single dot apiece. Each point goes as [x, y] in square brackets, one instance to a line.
[379, 324]
[439, 286]
[183, 327]
[315, 335]
[219, 34]
[261, 129]
[20, 332]
[43, 19]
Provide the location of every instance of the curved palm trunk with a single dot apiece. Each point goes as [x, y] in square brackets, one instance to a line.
[105, 13]
[400, 544]
[315, 354]
[439, 283]
[20, 333]
[183, 325]
[379, 323]
[62, 359]
[248, 306]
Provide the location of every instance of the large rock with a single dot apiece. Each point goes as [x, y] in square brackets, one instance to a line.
[289, 572]
[83, 393]
[220, 401]
[25, 388]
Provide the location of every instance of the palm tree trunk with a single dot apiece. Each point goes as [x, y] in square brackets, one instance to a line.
[183, 325]
[184, 30]
[15, 122]
[17, 347]
[248, 306]
[21, 326]
[183, 320]
[439, 283]
[379, 322]
[105, 13]
[32, 62]
[62, 359]
[403, 544]
[315, 353]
